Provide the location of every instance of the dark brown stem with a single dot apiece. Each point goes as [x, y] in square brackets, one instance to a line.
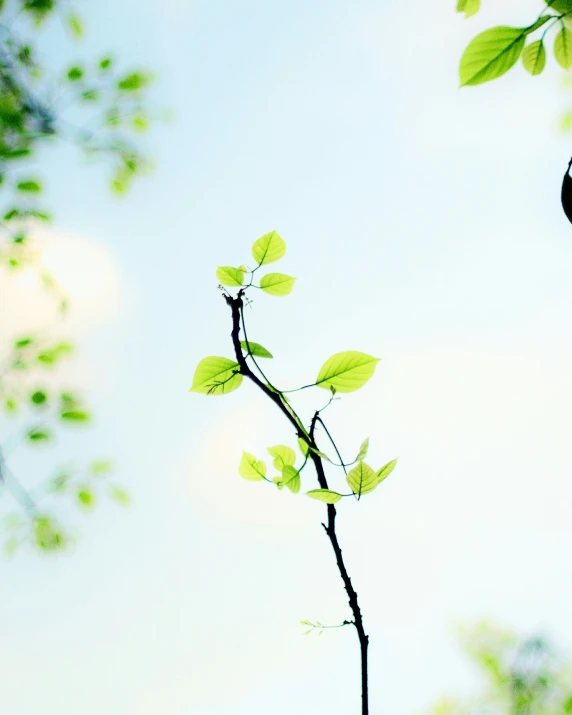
[236, 306]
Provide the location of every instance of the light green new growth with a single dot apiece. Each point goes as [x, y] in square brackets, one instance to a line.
[343, 372]
[251, 468]
[255, 349]
[347, 371]
[216, 376]
[534, 57]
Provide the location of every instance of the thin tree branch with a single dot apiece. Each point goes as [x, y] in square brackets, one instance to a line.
[236, 305]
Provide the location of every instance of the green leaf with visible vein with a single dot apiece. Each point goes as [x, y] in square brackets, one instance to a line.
[251, 468]
[324, 495]
[278, 284]
[386, 470]
[268, 248]
[291, 478]
[362, 479]
[534, 57]
[362, 454]
[347, 371]
[563, 48]
[283, 456]
[216, 376]
[229, 276]
[491, 53]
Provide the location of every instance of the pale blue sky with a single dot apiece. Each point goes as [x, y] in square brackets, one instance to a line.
[423, 225]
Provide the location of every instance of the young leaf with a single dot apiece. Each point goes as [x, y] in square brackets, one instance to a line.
[133, 82]
[303, 446]
[75, 74]
[30, 187]
[277, 284]
[362, 454]
[283, 456]
[386, 470]
[120, 495]
[38, 397]
[469, 7]
[216, 376]
[268, 248]
[100, 468]
[230, 276]
[250, 468]
[563, 48]
[325, 495]
[491, 53]
[291, 478]
[75, 416]
[534, 57]
[39, 435]
[74, 24]
[347, 371]
[255, 349]
[362, 479]
[86, 497]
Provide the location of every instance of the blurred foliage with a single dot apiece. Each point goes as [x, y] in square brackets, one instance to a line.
[521, 677]
[99, 108]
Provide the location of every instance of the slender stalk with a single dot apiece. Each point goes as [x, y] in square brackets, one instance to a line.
[236, 306]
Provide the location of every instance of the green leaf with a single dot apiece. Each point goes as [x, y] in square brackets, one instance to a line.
[346, 371]
[10, 405]
[38, 397]
[39, 435]
[74, 24]
[268, 248]
[133, 82]
[75, 416]
[386, 470]
[255, 349]
[47, 534]
[534, 57]
[250, 468]
[105, 63]
[75, 74]
[291, 478]
[469, 7]
[362, 479]
[563, 48]
[362, 454]
[86, 497]
[216, 376]
[101, 467]
[120, 495]
[325, 495]
[11, 545]
[23, 343]
[303, 446]
[283, 456]
[230, 276]
[30, 187]
[491, 53]
[277, 284]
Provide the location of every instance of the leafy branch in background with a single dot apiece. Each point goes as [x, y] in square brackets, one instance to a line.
[493, 52]
[97, 108]
[342, 373]
[523, 677]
